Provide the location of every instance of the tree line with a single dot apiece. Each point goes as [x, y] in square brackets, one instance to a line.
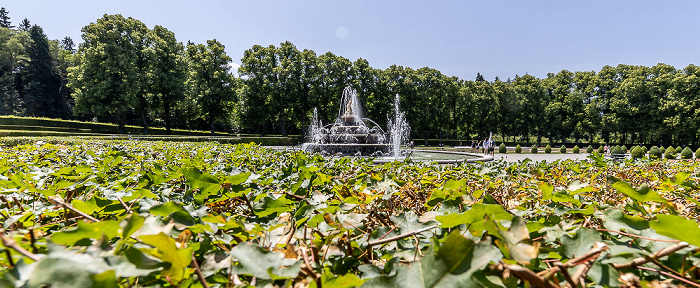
[125, 73]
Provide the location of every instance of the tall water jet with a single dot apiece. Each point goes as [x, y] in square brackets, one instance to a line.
[351, 133]
[399, 130]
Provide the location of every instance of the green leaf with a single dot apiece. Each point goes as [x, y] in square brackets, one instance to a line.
[238, 178]
[254, 261]
[519, 250]
[453, 266]
[615, 219]
[677, 227]
[166, 250]
[52, 272]
[206, 183]
[131, 224]
[580, 243]
[644, 194]
[476, 213]
[84, 230]
[168, 208]
[546, 191]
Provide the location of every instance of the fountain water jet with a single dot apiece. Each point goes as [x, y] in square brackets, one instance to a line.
[351, 135]
[399, 131]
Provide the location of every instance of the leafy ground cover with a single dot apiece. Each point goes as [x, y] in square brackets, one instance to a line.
[161, 214]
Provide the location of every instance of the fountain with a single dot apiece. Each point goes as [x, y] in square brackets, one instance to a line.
[351, 135]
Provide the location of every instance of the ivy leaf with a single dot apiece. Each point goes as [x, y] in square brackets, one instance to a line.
[85, 230]
[52, 272]
[515, 237]
[206, 183]
[678, 228]
[166, 250]
[451, 189]
[452, 266]
[237, 179]
[643, 195]
[254, 261]
[580, 243]
[615, 219]
[476, 213]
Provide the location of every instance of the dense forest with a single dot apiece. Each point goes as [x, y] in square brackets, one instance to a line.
[126, 73]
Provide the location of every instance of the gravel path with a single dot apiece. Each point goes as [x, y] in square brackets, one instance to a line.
[539, 157]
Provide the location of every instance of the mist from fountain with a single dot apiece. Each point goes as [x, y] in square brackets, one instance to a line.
[399, 130]
[350, 133]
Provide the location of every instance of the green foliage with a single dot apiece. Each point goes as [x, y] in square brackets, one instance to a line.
[240, 210]
[670, 153]
[548, 149]
[533, 149]
[679, 149]
[210, 82]
[645, 149]
[655, 152]
[637, 152]
[697, 153]
[601, 149]
[118, 43]
[617, 150]
[624, 148]
[686, 153]
[562, 149]
[589, 149]
[576, 150]
[519, 149]
[662, 149]
[502, 148]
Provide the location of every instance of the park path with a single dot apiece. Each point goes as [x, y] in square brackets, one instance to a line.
[539, 157]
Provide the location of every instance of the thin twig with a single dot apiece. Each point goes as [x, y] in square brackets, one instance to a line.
[33, 241]
[661, 253]
[58, 201]
[124, 204]
[307, 265]
[566, 274]
[199, 272]
[657, 263]
[399, 237]
[11, 243]
[392, 229]
[670, 275]
[247, 202]
[529, 276]
[637, 236]
[9, 257]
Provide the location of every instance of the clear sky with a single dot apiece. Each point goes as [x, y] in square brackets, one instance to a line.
[459, 38]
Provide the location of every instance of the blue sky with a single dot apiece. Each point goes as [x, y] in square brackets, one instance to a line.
[459, 38]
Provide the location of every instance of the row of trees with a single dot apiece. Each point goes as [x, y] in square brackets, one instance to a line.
[626, 103]
[126, 73]
[123, 72]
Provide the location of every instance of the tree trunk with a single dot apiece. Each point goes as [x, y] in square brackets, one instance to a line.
[120, 120]
[166, 115]
[144, 120]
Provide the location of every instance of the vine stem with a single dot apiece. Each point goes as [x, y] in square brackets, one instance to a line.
[647, 258]
[199, 272]
[399, 237]
[11, 243]
[637, 236]
[58, 201]
[670, 275]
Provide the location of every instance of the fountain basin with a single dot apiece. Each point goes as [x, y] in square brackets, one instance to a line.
[439, 157]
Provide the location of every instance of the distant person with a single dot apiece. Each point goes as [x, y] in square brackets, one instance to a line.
[412, 145]
[473, 146]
